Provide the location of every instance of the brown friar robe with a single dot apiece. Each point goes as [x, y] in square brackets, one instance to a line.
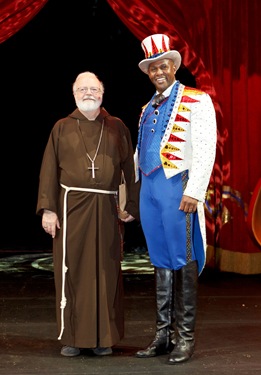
[93, 313]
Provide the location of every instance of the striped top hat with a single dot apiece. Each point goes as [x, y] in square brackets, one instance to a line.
[156, 47]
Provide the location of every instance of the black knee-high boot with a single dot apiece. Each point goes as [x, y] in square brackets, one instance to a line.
[186, 282]
[161, 344]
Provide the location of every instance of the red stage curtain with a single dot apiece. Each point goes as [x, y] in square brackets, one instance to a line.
[15, 14]
[219, 41]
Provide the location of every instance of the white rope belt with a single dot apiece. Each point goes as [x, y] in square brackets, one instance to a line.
[64, 268]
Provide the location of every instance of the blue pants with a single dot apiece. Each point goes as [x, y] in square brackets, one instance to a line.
[173, 237]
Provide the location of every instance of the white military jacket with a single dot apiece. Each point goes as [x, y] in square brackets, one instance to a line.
[189, 140]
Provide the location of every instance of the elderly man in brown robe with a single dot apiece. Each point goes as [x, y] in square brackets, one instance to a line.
[77, 198]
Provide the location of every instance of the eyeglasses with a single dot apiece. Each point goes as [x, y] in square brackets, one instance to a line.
[84, 90]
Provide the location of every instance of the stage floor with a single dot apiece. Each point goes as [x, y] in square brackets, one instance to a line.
[228, 330]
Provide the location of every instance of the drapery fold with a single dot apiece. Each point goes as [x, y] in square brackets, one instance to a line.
[15, 14]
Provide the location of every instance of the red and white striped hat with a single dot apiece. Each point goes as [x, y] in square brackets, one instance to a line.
[156, 47]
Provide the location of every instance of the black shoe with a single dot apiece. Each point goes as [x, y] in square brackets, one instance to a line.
[181, 353]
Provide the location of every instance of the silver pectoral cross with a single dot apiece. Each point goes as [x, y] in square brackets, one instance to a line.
[93, 168]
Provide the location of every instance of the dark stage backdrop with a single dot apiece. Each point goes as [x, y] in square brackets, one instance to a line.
[38, 66]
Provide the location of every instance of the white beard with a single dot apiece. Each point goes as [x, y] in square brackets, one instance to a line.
[88, 105]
